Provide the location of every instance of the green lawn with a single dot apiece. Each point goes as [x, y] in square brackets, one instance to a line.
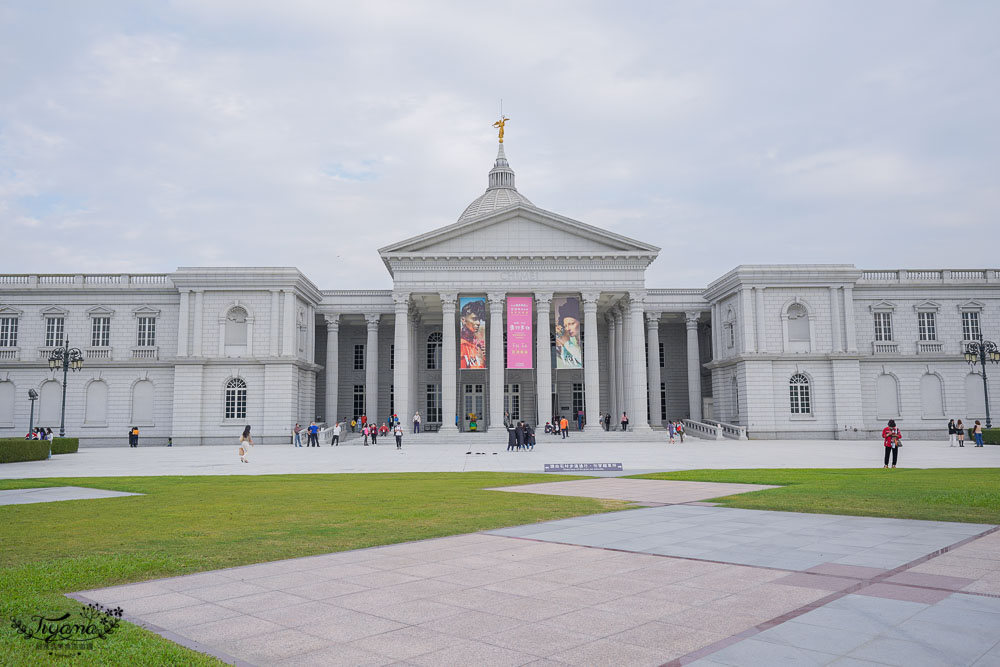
[969, 494]
[193, 524]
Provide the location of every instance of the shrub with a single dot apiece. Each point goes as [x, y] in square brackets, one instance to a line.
[13, 450]
[991, 436]
[65, 445]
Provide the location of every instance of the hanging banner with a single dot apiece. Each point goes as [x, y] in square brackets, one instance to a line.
[519, 332]
[569, 348]
[472, 324]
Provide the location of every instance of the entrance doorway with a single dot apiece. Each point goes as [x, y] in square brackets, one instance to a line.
[473, 400]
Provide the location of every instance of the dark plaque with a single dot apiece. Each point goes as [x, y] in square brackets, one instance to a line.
[583, 467]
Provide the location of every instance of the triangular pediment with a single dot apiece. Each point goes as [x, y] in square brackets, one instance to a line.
[519, 230]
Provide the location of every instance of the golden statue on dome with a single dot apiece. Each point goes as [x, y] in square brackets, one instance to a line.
[500, 124]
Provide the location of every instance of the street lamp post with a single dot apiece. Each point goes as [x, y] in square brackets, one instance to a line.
[67, 357]
[32, 396]
[979, 352]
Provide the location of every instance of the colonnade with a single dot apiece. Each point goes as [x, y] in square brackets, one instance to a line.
[631, 377]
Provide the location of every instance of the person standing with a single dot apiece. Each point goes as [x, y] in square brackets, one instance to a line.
[373, 432]
[364, 432]
[246, 442]
[313, 434]
[135, 436]
[680, 430]
[672, 430]
[960, 427]
[336, 435]
[519, 435]
[131, 439]
[564, 427]
[624, 422]
[416, 421]
[579, 420]
[511, 437]
[977, 433]
[297, 435]
[354, 424]
[952, 434]
[397, 430]
[891, 437]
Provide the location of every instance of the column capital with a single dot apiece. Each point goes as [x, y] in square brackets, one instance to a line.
[332, 320]
[609, 318]
[496, 299]
[590, 299]
[691, 318]
[371, 319]
[618, 314]
[543, 297]
[401, 300]
[652, 319]
[448, 296]
[637, 296]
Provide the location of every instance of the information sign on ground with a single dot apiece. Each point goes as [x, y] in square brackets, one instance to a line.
[586, 467]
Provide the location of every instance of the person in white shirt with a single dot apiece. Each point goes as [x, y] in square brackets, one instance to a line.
[336, 435]
[416, 422]
[398, 432]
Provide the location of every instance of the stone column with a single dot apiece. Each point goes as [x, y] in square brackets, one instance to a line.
[612, 389]
[543, 357]
[850, 332]
[591, 362]
[371, 367]
[639, 381]
[449, 357]
[289, 343]
[274, 333]
[415, 351]
[760, 316]
[401, 361]
[694, 364]
[835, 325]
[653, 368]
[626, 368]
[199, 318]
[748, 331]
[620, 395]
[332, 367]
[183, 324]
[495, 359]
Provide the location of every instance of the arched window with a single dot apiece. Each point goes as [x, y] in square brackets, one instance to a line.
[799, 398]
[236, 399]
[49, 403]
[7, 394]
[142, 403]
[931, 403]
[97, 403]
[975, 399]
[887, 396]
[798, 324]
[434, 351]
[236, 326]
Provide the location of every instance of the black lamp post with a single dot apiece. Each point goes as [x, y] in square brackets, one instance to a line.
[67, 357]
[32, 396]
[980, 352]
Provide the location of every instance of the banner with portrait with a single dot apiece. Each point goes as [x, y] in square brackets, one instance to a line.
[569, 325]
[472, 332]
[519, 332]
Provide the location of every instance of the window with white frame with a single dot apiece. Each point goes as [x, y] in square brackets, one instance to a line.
[434, 342]
[663, 357]
[236, 399]
[359, 400]
[54, 331]
[359, 358]
[8, 332]
[146, 331]
[100, 332]
[800, 401]
[392, 356]
[578, 399]
[433, 403]
[883, 326]
[970, 325]
[927, 325]
[512, 401]
[663, 401]
[392, 399]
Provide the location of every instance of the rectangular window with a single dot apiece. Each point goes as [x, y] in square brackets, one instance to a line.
[8, 332]
[392, 399]
[799, 399]
[147, 332]
[883, 327]
[578, 400]
[970, 325]
[927, 325]
[54, 327]
[512, 400]
[392, 357]
[359, 358]
[100, 332]
[730, 334]
[663, 356]
[434, 403]
[359, 400]
[663, 400]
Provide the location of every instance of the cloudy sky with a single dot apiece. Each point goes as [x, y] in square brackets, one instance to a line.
[138, 137]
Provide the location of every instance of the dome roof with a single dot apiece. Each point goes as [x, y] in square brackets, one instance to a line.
[501, 192]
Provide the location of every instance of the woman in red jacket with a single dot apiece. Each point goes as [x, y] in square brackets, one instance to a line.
[891, 437]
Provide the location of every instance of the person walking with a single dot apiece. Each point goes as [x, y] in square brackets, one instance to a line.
[952, 435]
[364, 432]
[397, 431]
[246, 442]
[416, 421]
[624, 422]
[671, 429]
[354, 424]
[336, 435]
[977, 433]
[297, 435]
[680, 429]
[960, 427]
[373, 432]
[579, 420]
[891, 437]
[564, 427]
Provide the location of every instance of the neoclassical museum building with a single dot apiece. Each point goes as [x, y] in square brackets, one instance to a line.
[511, 308]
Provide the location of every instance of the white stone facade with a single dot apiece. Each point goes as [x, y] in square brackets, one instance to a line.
[790, 351]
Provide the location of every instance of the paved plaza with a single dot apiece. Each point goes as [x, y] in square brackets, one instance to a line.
[673, 584]
[636, 457]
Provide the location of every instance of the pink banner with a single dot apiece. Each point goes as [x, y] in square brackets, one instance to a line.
[519, 332]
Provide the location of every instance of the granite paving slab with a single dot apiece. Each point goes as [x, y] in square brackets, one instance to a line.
[647, 491]
[52, 494]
